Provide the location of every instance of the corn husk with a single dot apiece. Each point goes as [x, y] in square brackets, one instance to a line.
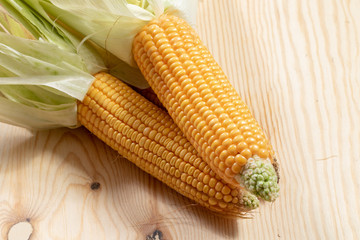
[113, 24]
[43, 69]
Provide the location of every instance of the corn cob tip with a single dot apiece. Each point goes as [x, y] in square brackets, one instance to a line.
[260, 178]
[248, 200]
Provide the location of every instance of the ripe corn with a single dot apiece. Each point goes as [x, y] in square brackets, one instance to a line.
[147, 136]
[205, 106]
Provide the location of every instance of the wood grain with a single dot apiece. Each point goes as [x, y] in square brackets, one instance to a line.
[296, 63]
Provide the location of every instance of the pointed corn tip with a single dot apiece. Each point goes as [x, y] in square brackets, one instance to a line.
[259, 177]
[249, 200]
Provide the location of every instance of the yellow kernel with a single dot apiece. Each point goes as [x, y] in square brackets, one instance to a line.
[219, 111]
[206, 179]
[236, 168]
[258, 136]
[166, 167]
[222, 205]
[241, 146]
[218, 195]
[181, 166]
[225, 190]
[189, 179]
[181, 184]
[261, 144]
[219, 186]
[223, 155]
[236, 135]
[263, 153]
[193, 192]
[198, 194]
[212, 182]
[186, 168]
[212, 201]
[172, 170]
[227, 142]
[200, 186]
[224, 135]
[229, 173]
[211, 120]
[224, 117]
[250, 140]
[234, 192]
[201, 176]
[204, 198]
[202, 165]
[183, 177]
[213, 157]
[232, 149]
[246, 153]
[206, 189]
[212, 192]
[228, 198]
[194, 183]
[254, 148]
[220, 132]
[229, 161]
[245, 128]
[230, 127]
[222, 166]
[216, 160]
[196, 173]
[191, 170]
[240, 159]
[162, 164]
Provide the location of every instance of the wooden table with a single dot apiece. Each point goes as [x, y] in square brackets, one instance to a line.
[296, 63]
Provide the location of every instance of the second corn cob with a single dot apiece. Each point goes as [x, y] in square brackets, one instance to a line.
[146, 135]
[202, 102]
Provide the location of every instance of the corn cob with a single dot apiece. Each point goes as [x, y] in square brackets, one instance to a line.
[147, 136]
[205, 106]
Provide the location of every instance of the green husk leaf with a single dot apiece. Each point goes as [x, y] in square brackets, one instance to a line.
[11, 26]
[47, 84]
[113, 24]
[42, 72]
[33, 62]
[18, 114]
[31, 15]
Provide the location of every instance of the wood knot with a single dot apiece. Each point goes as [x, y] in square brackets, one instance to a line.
[157, 235]
[95, 186]
[21, 231]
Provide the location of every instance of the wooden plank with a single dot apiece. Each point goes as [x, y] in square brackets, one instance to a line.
[296, 63]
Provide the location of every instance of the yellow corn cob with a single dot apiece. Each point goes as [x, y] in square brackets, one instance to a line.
[147, 136]
[206, 107]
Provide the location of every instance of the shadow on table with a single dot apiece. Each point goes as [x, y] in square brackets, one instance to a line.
[139, 203]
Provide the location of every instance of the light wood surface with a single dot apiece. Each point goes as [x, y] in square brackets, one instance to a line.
[295, 62]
